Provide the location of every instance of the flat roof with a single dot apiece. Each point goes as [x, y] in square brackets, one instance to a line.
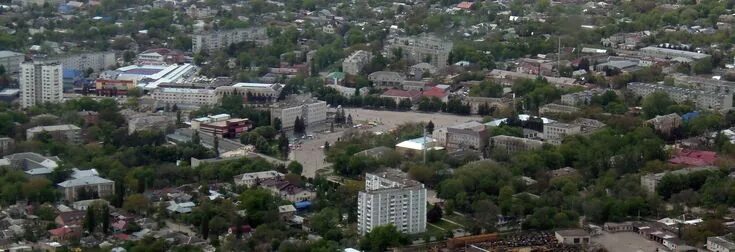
[5, 54]
[253, 85]
[186, 90]
[9, 91]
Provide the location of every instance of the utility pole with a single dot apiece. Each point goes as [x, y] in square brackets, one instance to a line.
[558, 58]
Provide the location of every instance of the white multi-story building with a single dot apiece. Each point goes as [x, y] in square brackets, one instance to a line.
[218, 40]
[309, 109]
[185, 96]
[355, 62]
[390, 197]
[96, 61]
[40, 83]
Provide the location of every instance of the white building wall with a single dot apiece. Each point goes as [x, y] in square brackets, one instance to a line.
[40, 83]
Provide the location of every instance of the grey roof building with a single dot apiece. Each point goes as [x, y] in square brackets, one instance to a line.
[11, 61]
[33, 164]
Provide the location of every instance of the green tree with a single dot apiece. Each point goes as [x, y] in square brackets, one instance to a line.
[295, 167]
[90, 223]
[434, 214]
[656, 104]
[382, 237]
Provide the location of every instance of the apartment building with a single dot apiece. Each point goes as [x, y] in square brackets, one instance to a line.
[511, 144]
[40, 83]
[390, 197]
[97, 61]
[580, 98]
[185, 96]
[309, 109]
[218, 40]
[467, 136]
[65, 132]
[11, 61]
[429, 49]
[555, 132]
[701, 99]
[553, 108]
[356, 61]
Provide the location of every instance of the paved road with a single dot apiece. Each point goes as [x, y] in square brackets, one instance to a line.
[311, 156]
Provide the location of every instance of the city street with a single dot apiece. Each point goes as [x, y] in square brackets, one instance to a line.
[311, 156]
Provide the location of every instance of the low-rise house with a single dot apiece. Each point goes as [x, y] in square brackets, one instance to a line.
[286, 190]
[65, 233]
[614, 227]
[286, 212]
[254, 178]
[70, 218]
[572, 236]
[420, 69]
[180, 208]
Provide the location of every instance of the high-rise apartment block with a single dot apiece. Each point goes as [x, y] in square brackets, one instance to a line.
[390, 197]
[40, 83]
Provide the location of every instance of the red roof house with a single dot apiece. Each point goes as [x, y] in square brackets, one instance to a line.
[694, 157]
[436, 92]
[465, 5]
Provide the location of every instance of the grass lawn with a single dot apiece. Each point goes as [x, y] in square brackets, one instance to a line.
[457, 218]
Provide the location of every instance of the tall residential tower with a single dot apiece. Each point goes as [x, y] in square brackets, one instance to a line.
[40, 83]
[390, 197]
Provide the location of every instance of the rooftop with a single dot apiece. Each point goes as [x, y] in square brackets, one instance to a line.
[572, 232]
[61, 127]
[417, 143]
[88, 180]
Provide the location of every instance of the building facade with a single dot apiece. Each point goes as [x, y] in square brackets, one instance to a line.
[185, 96]
[65, 132]
[96, 61]
[467, 136]
[218, 40]
[385, 79]
[308, 109]
[427, 49]
[391, 198]
[86, 187]
[555, 132]
[356, 61]
[512, 144]
[702, 99]
[40, 83]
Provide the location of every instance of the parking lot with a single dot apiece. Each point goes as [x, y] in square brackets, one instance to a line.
[625, 242]
[311, 155]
